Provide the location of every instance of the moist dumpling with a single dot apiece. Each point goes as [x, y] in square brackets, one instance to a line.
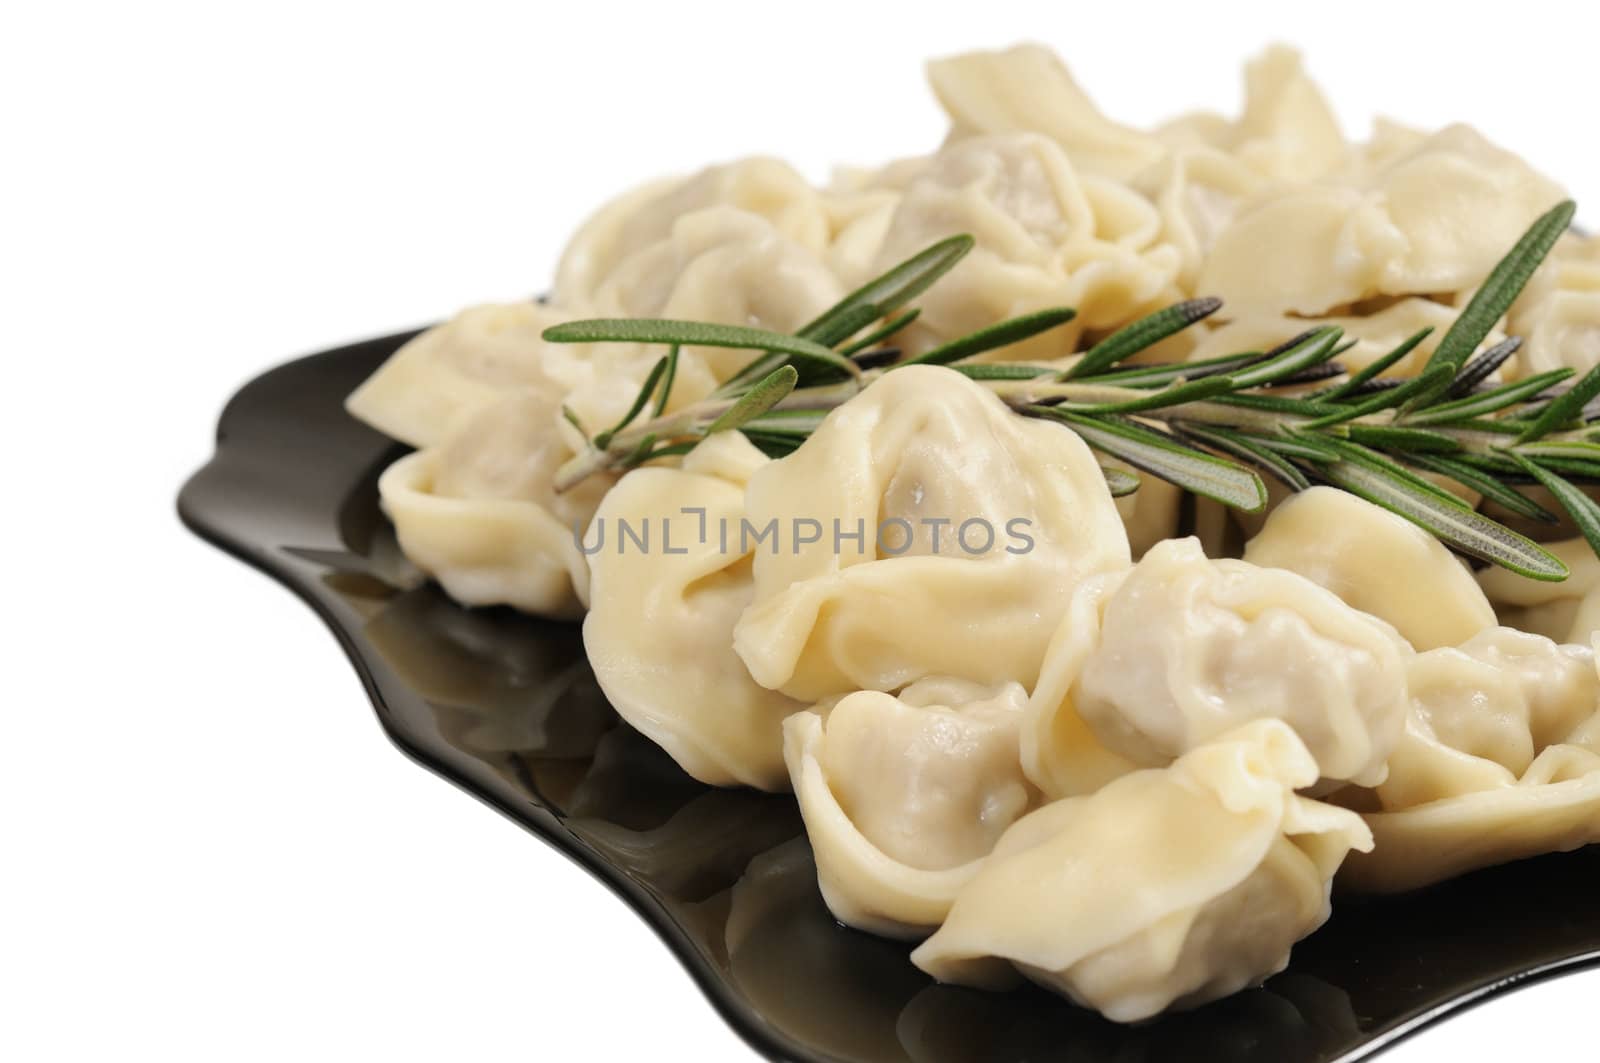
[1168, 887]
[1376, 562]
[659, 633]
[1191, 648]
[903, 794]
[923, 529]
[1500, 760]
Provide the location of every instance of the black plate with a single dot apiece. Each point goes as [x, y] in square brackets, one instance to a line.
[505, 707]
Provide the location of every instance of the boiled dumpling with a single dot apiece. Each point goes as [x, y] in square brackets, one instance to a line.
[437, 379]
[923, 529]
[1198, 191]
[1216, 168]
[1497, 699]
[1167, 888]
[1559, 311]
[1460, 202]
[1287, 133]
[662, 610]
[1304, 251]
[1191, 648]
[1377, 562]
[1060, 754]
[480, 514]
[1567, 611]
[725, 266]
[1498, 762]
[1389, 142]
[1045, 236]
[903, 794]
[637, 221]
[1027, 89]
[1434, 219]
[859, 216]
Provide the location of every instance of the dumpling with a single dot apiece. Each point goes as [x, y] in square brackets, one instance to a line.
[1167, 888]
[725, 266]
[923, 529]
[1377, 562]
[903, 794]
[669, 577]
[1304, 251]
[1498, 762]
[1287, 133]
[1191, 648]
[1460, 202]
[1198, 191]
[636, 221]
[440, 377]
[1027, 89]
[1390, 141]
[1566, 611]
[1060, 754]
[1045, 237]
[480, 514]
[859, 219]
[1559, 312]
[1434, 219]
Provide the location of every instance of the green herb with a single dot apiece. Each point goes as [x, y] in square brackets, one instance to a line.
[1495, 296]
[772, 389]
[1142, 335]
[1119, 482]
[1210, 427]
[891, 291]
[1002, 335]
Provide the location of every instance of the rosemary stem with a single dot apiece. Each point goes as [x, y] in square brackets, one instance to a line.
[690, 423]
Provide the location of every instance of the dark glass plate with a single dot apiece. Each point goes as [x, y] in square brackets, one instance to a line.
[505, 707]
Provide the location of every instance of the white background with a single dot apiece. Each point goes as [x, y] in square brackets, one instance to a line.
[209, 851]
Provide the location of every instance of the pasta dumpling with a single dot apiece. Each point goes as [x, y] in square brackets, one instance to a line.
[1198, 192]
[721, 265]
[1287, 132]
[1498, 762]
[1303, 251]
[662, 610]
[1377, 562]
[1167, 888]
[480, 514]
[922, 529]
[1433, 219]
[1045, 237]
[1566, 611]
[1460, 202]
[1060, 754]
[763, 188]
[1027, 89]
[1191, 648]
[452, 370]
[903, 794]
[1559, 311]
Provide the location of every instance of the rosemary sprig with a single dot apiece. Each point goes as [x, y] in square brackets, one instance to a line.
[1004, 334]
[1210, 427]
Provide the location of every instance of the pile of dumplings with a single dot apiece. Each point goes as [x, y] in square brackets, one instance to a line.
[1124, 765]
